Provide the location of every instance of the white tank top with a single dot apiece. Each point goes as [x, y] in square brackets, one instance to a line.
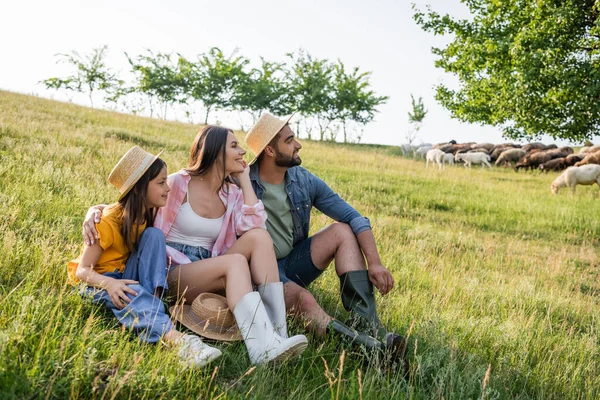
[191, 229]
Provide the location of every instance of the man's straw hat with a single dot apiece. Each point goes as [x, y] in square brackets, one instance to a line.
[263, 131]
[130, 169]
[208, 316]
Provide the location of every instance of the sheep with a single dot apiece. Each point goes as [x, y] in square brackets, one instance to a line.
[536, 145]
[556, 164]
[510, 155]
[590, 158]
[572, 176]
[473, 158]
[479, 150]
[498, 149]
[487, 146]
[560, 153]
[571, 159]
[435, 155]
[533, 160]
[422, 151]
[448, 158]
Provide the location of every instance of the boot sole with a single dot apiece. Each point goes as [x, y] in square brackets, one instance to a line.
[291, 352]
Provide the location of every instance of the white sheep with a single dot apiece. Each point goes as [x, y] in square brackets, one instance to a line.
[448, 158]
[473, 158]
[422, 151]
[435, 155]
[585, 175]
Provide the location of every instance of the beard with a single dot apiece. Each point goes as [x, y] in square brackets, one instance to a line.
[282, 160]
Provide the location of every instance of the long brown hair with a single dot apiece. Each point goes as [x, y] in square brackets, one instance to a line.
[134, 209]
[209, 144]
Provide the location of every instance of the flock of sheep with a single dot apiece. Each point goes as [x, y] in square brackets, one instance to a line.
[580, 168]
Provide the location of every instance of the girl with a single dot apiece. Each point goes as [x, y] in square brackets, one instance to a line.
[125, 270]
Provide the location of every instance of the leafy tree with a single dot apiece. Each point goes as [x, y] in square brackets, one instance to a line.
[91, 74]
[529, 67]
[262, 89]
[415, 119]
[352, 98]
[310, 87]
[157, 78]
[213, 78]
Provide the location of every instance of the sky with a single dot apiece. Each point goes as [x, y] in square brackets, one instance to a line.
[378, 36]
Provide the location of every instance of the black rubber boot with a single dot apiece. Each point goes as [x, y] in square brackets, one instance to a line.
[353, 336]
[358, 298]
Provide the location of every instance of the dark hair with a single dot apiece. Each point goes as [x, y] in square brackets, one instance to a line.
[209, 147]
[134, 209]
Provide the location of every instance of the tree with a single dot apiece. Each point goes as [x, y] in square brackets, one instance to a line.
[352, 98]
[262, 89]
[310, 87]
[213, 78]
[529, 67]
[415, 119]
[157, 78]
[91, 74]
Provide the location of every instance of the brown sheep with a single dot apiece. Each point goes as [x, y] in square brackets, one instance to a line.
[532, 161]
[556, 164]
[560, 153]
[571, 159]
[487, 146]
[479, 150]
[537, 145]
[589, 149]
[509, 156]
[590, 158]
[498, 149]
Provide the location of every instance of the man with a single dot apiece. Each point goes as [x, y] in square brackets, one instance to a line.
[289, 192]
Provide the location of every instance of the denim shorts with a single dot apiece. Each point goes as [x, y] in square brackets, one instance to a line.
[194, 253]
[298, 266]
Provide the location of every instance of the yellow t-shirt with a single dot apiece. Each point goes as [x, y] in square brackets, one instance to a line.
[115, 252]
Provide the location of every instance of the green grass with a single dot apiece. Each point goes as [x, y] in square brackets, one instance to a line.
[493, 273]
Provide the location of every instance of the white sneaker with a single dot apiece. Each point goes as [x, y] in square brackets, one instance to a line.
[194, 352]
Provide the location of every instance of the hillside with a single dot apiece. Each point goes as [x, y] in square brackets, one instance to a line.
[493, 273]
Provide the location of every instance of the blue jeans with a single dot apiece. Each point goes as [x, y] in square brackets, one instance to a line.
[194, 253]
[145, 313]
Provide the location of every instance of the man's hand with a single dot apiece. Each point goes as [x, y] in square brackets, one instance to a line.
[381, 277]
[117, 288]
[89, 232]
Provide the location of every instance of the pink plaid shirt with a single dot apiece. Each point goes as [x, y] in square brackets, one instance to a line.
[239, 217]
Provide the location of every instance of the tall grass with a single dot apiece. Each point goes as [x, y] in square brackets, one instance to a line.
[497, 280]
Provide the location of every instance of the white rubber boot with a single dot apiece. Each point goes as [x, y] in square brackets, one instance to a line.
[262, 342]
[272, 297]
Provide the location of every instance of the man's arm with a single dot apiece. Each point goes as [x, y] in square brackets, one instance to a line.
[332, 205]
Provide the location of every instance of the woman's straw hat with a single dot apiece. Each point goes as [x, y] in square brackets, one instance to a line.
[263, 131]
[130, 169]
[208, 316]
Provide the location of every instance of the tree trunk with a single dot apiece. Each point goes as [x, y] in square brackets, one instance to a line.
[206, 117]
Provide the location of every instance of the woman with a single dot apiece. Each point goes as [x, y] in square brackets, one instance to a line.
[205, 214]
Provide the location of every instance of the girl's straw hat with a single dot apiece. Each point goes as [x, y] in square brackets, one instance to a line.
[208, 316]
[263, 131]
[130, 169]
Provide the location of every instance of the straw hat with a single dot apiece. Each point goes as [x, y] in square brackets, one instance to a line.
[208, 316]
[263, 131]
[130, 169]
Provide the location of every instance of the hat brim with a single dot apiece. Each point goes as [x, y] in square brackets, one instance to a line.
[284, 123]
[184, 315]
[143, 171]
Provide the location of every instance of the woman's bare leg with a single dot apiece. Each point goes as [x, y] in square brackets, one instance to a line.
[229, 272]
[257, 247]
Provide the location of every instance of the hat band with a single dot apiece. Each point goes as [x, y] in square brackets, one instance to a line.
[137, 173]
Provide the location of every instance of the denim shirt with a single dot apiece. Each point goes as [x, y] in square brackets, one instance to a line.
[306, 190]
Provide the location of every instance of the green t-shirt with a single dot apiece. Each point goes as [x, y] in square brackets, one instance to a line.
[279, 222]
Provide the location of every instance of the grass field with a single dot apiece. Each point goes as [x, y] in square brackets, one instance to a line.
[497, 279]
